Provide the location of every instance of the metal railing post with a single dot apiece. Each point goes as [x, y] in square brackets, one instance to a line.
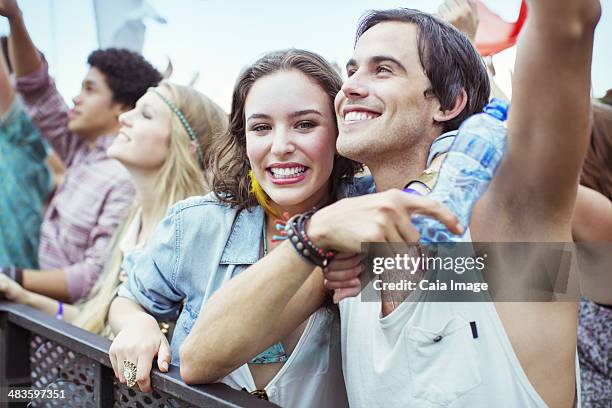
[14, 354]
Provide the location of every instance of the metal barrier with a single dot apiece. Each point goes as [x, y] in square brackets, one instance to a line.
[44, 353]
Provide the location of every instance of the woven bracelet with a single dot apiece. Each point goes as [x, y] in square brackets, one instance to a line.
[296, 232]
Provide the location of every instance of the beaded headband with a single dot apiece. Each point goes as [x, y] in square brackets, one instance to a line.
[183, 121]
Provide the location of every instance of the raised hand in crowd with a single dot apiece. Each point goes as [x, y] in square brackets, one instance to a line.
[9, 8]
[25, 58]
[463, 14]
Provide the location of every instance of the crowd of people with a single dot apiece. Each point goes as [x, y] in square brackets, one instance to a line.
[231, 245]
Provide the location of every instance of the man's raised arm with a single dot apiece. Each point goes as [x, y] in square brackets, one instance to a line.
[24, 55]
[532, 196]
[7, 94]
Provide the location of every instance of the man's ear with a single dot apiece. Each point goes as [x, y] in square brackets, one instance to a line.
[118, 108]
[446, 115]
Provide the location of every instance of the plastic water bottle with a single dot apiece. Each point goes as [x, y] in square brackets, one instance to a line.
[467, 170]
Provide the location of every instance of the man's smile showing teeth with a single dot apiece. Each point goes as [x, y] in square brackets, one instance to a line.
[358, 116]
[287, 172]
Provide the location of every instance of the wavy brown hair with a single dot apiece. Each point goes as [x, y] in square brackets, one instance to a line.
[230, 164]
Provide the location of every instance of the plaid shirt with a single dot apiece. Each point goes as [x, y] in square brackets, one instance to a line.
[94, 197]
[25, 183]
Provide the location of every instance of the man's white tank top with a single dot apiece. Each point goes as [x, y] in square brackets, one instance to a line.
[431, 354]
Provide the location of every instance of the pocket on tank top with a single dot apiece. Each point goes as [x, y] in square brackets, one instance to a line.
[442, 362]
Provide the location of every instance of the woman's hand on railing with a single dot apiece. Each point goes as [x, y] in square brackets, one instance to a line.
[138, 343]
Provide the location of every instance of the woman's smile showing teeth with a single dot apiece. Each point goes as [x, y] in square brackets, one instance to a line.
[290, 137]
[287, 173]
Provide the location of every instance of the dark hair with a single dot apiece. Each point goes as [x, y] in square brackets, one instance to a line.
[450, 61]
[127, 73]
[230, 164]
[596, 171]
[607, 98]
[5, 52]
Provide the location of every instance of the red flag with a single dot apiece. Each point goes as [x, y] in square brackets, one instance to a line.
[494, 34]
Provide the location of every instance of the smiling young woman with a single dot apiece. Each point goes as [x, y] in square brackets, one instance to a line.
[277, 156]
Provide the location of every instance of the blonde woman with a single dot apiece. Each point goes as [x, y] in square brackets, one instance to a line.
[164, 144]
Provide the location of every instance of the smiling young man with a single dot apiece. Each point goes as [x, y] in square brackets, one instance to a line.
[531, 198]
[525, 352]
[96, 192]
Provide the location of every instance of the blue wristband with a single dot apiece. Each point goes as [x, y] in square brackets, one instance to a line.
[60, 311]
[412, 191]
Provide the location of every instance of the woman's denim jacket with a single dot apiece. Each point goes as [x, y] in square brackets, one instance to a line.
[199, 246]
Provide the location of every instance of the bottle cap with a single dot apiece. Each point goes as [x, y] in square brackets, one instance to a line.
[498, 108]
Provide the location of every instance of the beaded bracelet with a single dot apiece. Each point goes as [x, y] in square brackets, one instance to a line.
[296, 232]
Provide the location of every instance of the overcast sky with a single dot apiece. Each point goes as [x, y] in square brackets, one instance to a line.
[218, 37]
